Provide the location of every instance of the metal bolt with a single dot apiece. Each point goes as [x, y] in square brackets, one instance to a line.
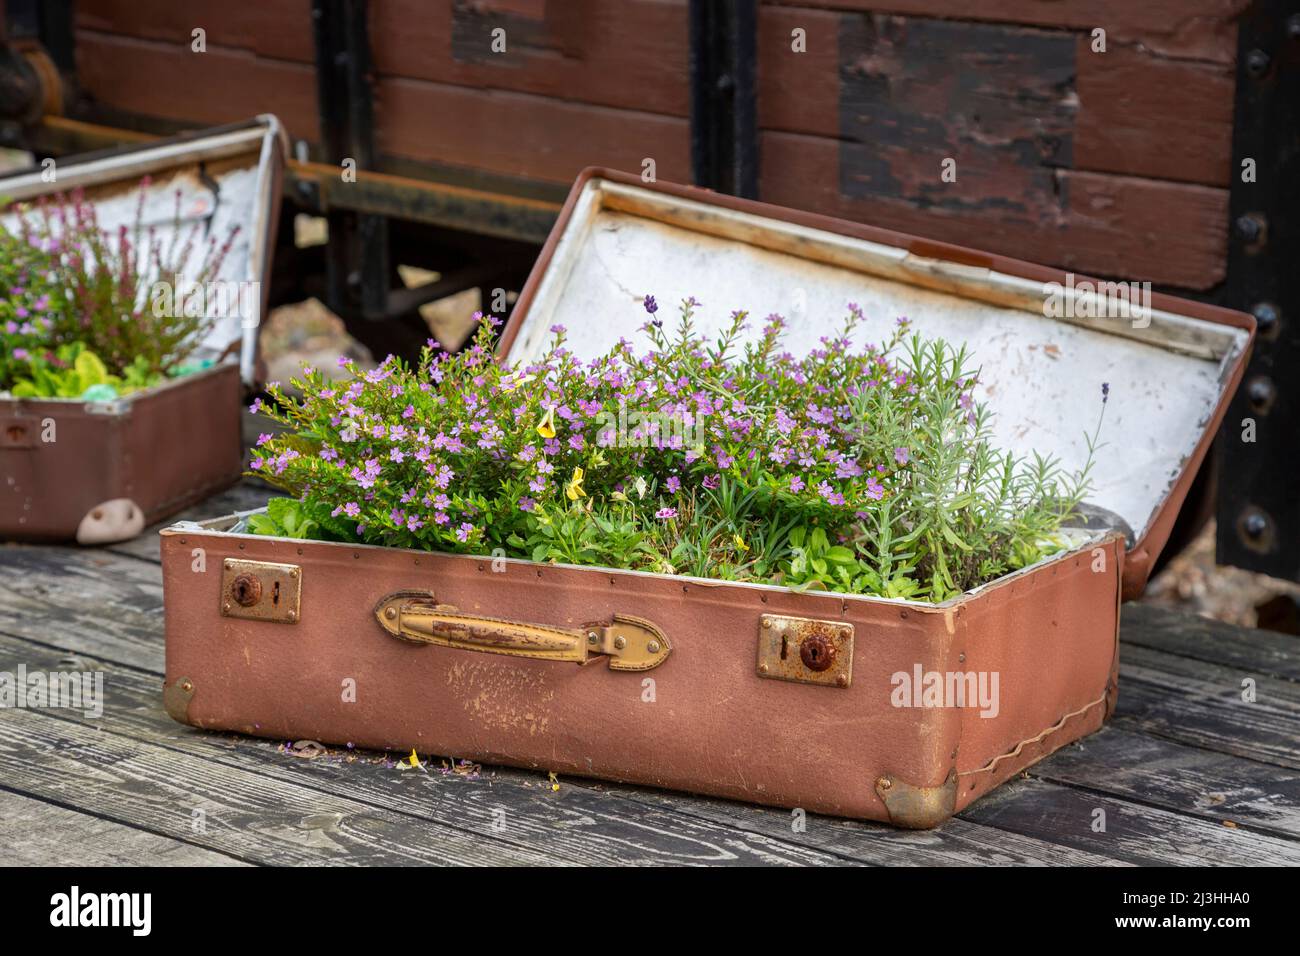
[187, 686]
[961, 658]
[390, 613]
[226, 607]
[1250, 227]
[620, 642]
[1293, 26]
[842, 680]
[653, 647]
[293, 616]
[1261, 392]
[1255, 525]
[763, 668]
[767, 622]
[591, 637]
[293, 572]
[1257, 62]
[1266, 316]
[884, 783]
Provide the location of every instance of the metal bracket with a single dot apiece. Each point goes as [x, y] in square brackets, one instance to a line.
[805, 650]
[261, 591]
[176, 699]
[918, 808]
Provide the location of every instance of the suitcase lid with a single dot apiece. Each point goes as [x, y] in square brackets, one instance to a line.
[1039, 335]
[227, 175]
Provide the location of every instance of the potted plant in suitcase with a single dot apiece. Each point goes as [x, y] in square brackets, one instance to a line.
[83, 319]
[856, 470]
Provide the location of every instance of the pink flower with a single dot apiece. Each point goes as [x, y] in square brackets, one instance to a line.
[663, 514]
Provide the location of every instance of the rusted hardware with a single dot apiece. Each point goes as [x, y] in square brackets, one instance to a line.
[631, 643]
[176, 699]
[261, 591]
[805, 650]
[917, 808]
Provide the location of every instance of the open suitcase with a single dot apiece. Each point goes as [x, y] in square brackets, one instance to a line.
[100, 471]
[746, 691]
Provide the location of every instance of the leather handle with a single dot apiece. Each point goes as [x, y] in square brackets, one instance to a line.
[630, 643]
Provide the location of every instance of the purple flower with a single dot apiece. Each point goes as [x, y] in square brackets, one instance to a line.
[673, 484]
[712, 481]
[651, 305]
[527, 504]
[663, 514]
[830, 494]
[875, 490]
[1105, 391]
[464, 531]
[796, 483]
[901, 455]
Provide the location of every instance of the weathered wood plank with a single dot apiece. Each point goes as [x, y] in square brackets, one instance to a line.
[1131, 765]
[282, 29]
[1188, 29]
[85, 601]
[1201, 704]
[1253, 652]
[247, 815]
[168, 81]
[35, 833]
[587, 821]
[1171, 233]
[519, 134]
[1134, 833]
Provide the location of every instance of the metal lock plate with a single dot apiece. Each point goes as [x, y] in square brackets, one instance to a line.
[261, 591]
[805, 650]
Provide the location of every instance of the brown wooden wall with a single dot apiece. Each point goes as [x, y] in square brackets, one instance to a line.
[1114, 164]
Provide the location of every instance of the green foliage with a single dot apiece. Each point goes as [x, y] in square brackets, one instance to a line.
[72, 371]
[857, 470]
[290, 518]
[64, 279]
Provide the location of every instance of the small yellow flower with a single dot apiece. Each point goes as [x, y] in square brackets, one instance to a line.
[546, 428]
[740, 543]
[553, 780]
[410, 763]
[573, 490]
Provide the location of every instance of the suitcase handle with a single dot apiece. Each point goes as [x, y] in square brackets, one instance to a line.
[630, 643]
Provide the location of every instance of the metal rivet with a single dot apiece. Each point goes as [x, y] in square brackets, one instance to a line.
[762, 668]
[293, 572]
[842, 680]
[961, 658]
[653, 647]
[1257, 62]
[884, 783]
[620, 642]
[1255, 524]
[767, 622]
[226, 607]
[391, 613]
[292, 615]
[187, 686]
[591, 637]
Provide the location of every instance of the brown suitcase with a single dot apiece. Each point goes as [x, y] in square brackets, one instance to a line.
[101, 471]
[707, 686]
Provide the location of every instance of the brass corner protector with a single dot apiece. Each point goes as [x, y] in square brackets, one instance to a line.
[918, 808]
[176, 699]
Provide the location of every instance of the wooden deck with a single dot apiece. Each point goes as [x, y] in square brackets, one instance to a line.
[1187, 772]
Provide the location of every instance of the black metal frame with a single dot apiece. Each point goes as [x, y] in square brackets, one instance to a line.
[1258, 500]
[724, 95]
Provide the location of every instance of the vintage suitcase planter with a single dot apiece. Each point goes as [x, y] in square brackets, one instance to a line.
[100, 470]
[835, 703]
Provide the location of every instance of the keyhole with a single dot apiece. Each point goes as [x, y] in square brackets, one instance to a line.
[275, 594]
[785, 646]
[247, 590]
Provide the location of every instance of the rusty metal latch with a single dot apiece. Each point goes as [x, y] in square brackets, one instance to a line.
[805, 650]
[630, 643]
[261, 591]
